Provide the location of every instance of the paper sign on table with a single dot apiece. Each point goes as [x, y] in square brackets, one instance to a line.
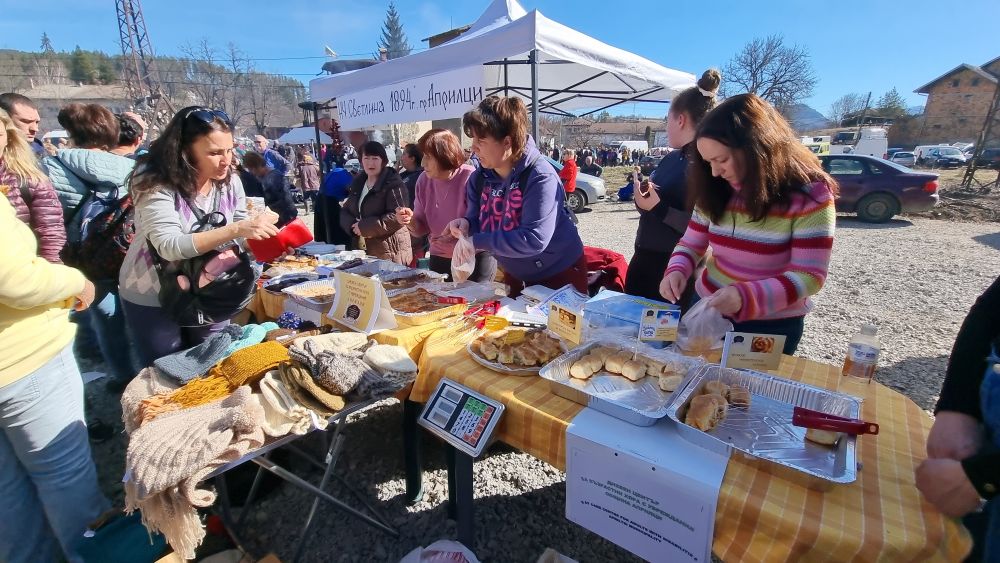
[659, 324]
[567, 324]
[645, 488]
[760, 352]
[361, 303]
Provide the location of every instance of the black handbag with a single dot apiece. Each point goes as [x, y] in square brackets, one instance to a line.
[192, 305]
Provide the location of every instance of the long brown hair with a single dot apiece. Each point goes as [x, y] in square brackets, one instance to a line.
[776, 163]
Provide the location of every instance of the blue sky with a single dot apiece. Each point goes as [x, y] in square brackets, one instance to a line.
[856, 45]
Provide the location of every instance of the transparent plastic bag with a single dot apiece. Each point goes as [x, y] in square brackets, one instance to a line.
[702, 329]
[463, 259]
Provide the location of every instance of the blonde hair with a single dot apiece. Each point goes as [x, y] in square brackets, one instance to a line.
[17, 156]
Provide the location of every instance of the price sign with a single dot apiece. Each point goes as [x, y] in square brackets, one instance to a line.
[460, 416]
[761, 352]
[566, 323]
[659, 324]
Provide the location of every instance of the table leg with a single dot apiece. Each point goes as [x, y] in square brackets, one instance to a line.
[227, 514]
[411, 452]
[461, 495]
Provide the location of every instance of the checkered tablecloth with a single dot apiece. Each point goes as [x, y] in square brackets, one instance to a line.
[760, 516]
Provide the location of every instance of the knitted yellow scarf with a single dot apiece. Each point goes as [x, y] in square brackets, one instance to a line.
[244, 367]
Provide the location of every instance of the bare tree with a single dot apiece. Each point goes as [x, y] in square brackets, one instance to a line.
[846, 105]
[204, 80]
[779, 73]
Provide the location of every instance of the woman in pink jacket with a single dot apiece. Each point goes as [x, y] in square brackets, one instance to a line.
[29, 191]
[440, 198]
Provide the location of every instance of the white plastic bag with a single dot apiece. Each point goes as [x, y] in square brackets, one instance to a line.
[702, 328]
[463, 259]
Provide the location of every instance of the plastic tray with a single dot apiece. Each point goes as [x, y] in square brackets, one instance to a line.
[304, 276]
[507, 370]
[293, 292]
[641, 402]
[765, 430]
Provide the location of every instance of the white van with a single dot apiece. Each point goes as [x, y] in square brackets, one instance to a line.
[873, 141]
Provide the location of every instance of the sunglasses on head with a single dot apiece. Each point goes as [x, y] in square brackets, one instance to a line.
[207, 116]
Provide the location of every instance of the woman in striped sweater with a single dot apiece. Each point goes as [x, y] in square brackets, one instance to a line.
[766, 207]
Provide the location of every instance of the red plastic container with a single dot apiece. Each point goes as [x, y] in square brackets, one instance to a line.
[292, 235]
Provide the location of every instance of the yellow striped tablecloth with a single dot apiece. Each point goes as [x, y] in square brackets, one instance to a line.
[760, 516]
[267, 306]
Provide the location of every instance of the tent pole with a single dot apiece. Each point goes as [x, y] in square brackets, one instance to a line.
[505, 78]
[533, 57]
[318, 142]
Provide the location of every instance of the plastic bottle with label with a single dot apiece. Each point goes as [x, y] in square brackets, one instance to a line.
[862, 353]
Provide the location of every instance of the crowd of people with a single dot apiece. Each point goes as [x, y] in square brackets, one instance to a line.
[740, 216]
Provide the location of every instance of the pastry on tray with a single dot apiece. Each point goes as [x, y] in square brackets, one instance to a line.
[823, 437]
[629, 365]
[738, 396]
[406, 282]
[517, 348]
[669, 383]
[419, 301]
[705, 412]
[716, 387]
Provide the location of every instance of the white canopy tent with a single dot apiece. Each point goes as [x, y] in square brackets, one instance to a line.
[304, 136]
[523, 54]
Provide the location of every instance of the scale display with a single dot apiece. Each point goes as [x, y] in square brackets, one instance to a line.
[461, 417]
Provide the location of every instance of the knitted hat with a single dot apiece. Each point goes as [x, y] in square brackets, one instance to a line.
[169, 456]
[374, 386]
[252, 334]
[340, 373]
[333, 341]
[283, 414]
[244, 367]
[194, 362]
[389, 359]
[304, 389]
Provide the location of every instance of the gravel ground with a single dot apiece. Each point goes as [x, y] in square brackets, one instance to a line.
[915, 278]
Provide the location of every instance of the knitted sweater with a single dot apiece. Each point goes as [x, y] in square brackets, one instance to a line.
[164, 218]
[775, 263]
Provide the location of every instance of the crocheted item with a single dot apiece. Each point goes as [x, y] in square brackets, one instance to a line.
[252, 334]
[283, 414]
[169, 456]
[244, 367]
[289, 320]
[300, 384]
[389, 359]
[149, 382]
[195, 362]
[335, 341]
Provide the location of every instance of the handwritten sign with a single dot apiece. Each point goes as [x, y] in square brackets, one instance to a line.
[360, 303]
[438, 96]
[752, 351]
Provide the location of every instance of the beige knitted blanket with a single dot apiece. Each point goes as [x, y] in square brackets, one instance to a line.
[168, 456]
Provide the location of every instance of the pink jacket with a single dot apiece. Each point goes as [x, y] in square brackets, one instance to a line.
[43, 213]
[435, 204]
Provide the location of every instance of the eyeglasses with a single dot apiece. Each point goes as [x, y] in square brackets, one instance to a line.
[207, 116]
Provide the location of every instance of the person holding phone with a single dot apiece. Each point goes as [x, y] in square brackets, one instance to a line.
[662, 200]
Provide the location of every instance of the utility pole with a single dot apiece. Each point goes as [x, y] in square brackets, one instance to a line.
[984, 135]
[140, 77]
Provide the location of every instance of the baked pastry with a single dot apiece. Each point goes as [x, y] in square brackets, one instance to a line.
[824, 437]
[674, 367]
[654, 368]
[634, 370]
[419, 301]
[616, 362]
[669, 383]
[721, 405]
[717, 387]
[603, 353]
[738, 397]
[703, 412]
[530, 348]
[580, 369]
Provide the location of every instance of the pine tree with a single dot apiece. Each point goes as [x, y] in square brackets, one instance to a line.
[81, 66]
[393, 38]
[46, 44]
[891, 104]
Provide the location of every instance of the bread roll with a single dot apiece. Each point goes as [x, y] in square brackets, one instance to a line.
[580, 369]
[739, 397]
[602, 352]
[654, 368]
[716, 387]
[669, 383]
[702, 413]
[721, 405]
[616, 361]
[634, 370]
[594, 362]
[824, 437]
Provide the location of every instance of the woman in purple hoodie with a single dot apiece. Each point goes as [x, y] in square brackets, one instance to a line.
[515, 203]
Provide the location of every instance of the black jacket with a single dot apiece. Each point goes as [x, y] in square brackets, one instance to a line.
[410, 178]
[662, 227]
[376, 218]
[278, 197]
[966, 368]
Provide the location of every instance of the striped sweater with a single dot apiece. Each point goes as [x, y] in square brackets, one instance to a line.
[775, 263]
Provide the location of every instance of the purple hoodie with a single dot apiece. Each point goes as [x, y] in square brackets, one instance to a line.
[525, 227]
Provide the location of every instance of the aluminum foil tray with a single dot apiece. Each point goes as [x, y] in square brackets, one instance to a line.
[641, 402]
[765, 430]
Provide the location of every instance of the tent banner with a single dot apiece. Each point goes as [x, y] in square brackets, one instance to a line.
[437, 96]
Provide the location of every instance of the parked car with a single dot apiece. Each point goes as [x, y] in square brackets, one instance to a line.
[893, 150]
[589, 189]
[989, 158]
[649, 163]
[939, 156]
[903, 158]
[877, 189]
